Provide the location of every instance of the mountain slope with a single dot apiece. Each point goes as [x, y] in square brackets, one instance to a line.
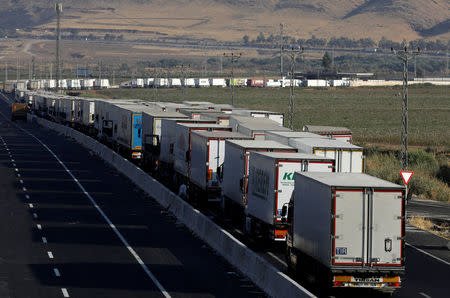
[231, 19]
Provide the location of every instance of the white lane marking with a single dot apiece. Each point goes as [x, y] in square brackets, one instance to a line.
[18, 175]
[65, 292]
[21, 181]
[39, 227]
[277, 258]
[428, 254]
[24, 188]
[14, 165]
[94, 203]
[31, 206]
[12, 160]
[424, 295]
[16, 169]
[44, 240]
[57, 273]
[50, 254]
[35, 215]
[27, 197]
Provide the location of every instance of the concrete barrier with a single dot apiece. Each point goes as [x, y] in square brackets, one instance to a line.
[264, 275]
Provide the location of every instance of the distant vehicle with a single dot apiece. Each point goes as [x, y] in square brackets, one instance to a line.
[19, 111]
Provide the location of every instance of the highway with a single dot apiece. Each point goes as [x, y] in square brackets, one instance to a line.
[70, 226]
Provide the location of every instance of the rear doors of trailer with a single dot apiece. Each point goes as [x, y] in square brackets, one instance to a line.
[367, 227]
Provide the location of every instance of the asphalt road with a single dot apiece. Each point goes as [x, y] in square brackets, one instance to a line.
[56, 243]
[430, 209]
[93, 262]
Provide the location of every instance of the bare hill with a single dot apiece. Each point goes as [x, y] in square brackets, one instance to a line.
[231, 19]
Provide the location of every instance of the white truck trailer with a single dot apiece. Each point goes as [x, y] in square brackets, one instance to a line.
[207, 158]
[218, 82]
[182, 148]
[349, 158]
[219, 117]
[275, 116]
[236, 170]
[270, 186]
[284, 136]
[254, 126]
[347, 229]
[87, 84]
[168, 138]
[338, 133]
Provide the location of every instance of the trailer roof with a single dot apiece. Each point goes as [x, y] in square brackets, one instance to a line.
[162, 114]
[212, 125]
[136, 108]
[349, 180]
[259, 144]
[296, 134]
[326, 129]
[197, 103]
[222, 135]
[292, 156]
[324, 143]
[258, 123]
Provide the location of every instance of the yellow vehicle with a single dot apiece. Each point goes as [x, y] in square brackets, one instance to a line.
[19, 111]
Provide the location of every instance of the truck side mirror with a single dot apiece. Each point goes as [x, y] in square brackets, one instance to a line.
[284, 211]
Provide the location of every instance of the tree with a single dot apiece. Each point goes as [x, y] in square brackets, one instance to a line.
[326, 61]
[245, 38]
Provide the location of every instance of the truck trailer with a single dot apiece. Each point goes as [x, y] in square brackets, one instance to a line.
[347, 230]
[270, 186]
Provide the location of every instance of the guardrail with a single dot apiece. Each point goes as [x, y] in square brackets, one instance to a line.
[263, 274]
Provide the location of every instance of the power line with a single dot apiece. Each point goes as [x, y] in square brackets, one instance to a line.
[58, 9]
[405, 55]
[233, 58]
[293, 53]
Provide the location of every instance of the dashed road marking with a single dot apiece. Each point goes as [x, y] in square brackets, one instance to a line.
[27, 197]
[424, 295]
[16, 169]
[277, 258]
[18, 175]
[65, 292]
[56, 271]
[24, 188]
[31, 206]
[21, 181]
[50, 254]
[39, 227]
[44, 240]
[35, 215]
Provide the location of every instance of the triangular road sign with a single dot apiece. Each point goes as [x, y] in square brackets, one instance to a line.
[406, 175]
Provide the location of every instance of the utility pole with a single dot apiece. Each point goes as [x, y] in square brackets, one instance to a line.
[293, 53]
[33, 68]
[233, 58]
[281, 48]
[17, 71]
[405, 55]
[184, 68]
[58, 9]
[51, 71]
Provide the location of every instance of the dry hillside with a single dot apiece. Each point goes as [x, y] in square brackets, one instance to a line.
[231, 19]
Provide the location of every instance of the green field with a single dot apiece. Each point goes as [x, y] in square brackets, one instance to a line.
[373, 114]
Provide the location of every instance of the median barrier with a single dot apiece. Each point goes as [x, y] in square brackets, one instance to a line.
[264, 275]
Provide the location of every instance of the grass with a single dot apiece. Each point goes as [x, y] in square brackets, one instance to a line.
[373, 114]
[424, 182]
[441, 230]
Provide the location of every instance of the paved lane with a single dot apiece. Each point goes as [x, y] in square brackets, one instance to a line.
[59, 245]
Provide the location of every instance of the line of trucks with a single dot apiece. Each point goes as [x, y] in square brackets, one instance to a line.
[90, 83]
[303, 188]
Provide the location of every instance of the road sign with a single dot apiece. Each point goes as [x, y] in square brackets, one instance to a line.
[406, 175]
